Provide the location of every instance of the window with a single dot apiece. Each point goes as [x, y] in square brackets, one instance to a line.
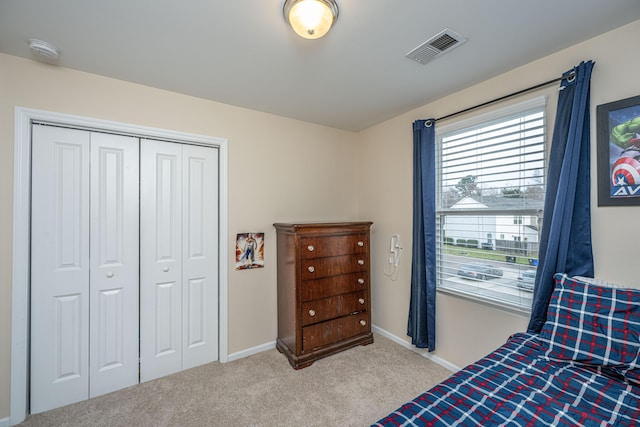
[491, 182]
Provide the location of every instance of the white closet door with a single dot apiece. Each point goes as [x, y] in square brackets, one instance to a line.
[114, 273]
[84, 265]
[178, 257]
[59, 267]
[199, 255]
[160, 259]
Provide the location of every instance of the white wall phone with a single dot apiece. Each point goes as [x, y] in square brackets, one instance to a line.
[394, 257]
[394, 250]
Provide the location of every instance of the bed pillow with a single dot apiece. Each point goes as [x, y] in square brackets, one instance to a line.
[599, 282]
[594, 325]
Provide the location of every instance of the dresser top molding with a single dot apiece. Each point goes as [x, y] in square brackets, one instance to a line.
[321, 227]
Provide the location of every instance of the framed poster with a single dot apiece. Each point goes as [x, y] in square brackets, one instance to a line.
[619, 152]
[249, 251]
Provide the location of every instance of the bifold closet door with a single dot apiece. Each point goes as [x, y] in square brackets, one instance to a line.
[84, 265]
[114, 263]
[178, 258]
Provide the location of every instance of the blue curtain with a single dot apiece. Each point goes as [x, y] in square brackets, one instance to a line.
[422, 308]
[565, 242]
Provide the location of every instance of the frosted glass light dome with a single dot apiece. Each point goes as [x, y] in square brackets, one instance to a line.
[311, 19]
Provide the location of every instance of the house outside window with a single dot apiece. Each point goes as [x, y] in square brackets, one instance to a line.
[491, 182]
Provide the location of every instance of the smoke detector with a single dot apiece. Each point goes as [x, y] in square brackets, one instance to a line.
[44, 50]
[442, 42]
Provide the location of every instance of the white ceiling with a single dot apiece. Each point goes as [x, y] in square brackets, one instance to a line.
[242, 53]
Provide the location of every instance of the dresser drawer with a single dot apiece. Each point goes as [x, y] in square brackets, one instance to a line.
[333, 285]
[330, 308]
[332, 331]
[323, 246]
[333, 266]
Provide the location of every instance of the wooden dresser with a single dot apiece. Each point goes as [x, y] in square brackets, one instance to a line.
[323, 289]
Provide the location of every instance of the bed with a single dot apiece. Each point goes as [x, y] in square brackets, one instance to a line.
[582, 369]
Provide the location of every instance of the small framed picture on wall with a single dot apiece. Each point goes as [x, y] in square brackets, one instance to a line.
[249, 251]
[618, 135]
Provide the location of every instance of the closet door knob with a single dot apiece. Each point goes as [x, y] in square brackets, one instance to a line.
[312, 313]
[361, 300]
[361, 281]
[360, 262]
[363, 322]
[110, 274]
[310, 248]
[360, 243]
[165, 268]
[311, 269]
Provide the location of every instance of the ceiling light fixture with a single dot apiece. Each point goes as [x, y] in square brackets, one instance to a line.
[311, 19]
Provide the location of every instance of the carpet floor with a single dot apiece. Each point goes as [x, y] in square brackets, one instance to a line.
[352, 388]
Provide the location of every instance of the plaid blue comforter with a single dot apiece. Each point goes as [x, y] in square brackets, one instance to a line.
[516, 385]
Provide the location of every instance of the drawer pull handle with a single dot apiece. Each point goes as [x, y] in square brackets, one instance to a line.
[312, 313]
[310, 248]
[311, 269]
[361, 300]
[360, 243]
[361, 281]
[360, 262]
[165, 268]
[363, 322]
[110, 274]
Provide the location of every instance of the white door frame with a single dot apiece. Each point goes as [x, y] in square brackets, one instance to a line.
[21, 233]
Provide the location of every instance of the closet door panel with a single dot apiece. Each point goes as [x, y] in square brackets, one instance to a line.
[59, 267]
[160, 259]
[114, 269]
[200, 255]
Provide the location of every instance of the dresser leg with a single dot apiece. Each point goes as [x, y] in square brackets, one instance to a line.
[298, 366]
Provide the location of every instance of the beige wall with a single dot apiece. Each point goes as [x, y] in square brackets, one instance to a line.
[466, 330]
[279, 170]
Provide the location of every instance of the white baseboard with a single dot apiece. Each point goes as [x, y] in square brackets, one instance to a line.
[4, 422]
[270, 345]
[440, 361]
[250, 351]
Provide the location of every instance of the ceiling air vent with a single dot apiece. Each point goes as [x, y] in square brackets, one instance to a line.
[442, 42]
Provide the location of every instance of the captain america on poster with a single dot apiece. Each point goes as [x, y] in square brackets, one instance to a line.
[624, 152]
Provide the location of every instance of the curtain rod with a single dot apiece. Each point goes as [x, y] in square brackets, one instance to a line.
[502, 98]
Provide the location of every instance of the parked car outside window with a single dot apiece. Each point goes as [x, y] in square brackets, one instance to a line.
[479, 271]
[527, 280]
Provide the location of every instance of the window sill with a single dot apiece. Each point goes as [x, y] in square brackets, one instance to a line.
[480, 299]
